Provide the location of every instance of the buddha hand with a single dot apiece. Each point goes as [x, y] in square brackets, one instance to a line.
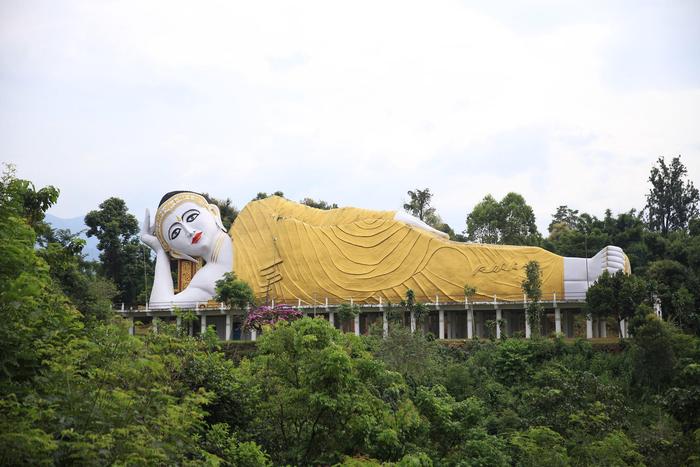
[147, 233]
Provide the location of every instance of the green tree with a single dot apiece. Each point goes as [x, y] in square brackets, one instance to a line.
[469, 292]
[580, 238]
[532, 288]
[228, 450]
[22, 197]
[124, 260]
[617, 295]
[75, 276]
[419, 205]
[320, 204]
[672, 200]
[615, 450]
[229, 212]
[73, 394]
[539, 446]
[346, 312]
[565, 217]
[510, 221]
[419, 310]
[416, 358]
[682, 399]
[321, 397]
[483, 223]
[234, 292]
[450, 421]
[263, 195]
[653, 357]
[672, 282]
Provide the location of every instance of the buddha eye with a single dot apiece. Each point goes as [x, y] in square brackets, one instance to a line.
[192, 216]
[174, 233]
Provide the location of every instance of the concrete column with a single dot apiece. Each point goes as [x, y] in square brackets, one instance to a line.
[498, 323]
[528, 331]
[470, 323]
[178, 322]
[589, 327]
[203, 320]
[132, 326]
[385, 323]
[441, 319]
[557, 320]
[154, 324]
[253, 335]
[413, 322]
[331, 315]
[357, 324]
[228, 327]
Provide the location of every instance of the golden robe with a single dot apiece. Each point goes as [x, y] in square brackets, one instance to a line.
[287, 251]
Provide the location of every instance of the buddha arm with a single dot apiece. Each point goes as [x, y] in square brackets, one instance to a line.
[415, 222]
[163, 294]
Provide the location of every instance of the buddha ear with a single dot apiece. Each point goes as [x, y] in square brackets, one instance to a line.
[214, 209]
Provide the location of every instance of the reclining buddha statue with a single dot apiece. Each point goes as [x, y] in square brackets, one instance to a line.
[288, 252]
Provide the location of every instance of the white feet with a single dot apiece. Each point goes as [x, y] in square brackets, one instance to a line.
[610, 258]
[581, 273]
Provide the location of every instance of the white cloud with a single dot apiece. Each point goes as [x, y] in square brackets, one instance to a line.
[354, 103]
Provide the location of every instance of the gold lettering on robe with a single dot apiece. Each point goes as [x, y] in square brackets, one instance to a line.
[503, 267]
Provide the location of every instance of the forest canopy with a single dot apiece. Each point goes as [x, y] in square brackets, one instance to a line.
[77, 388]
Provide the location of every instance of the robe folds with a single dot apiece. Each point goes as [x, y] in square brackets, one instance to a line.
[289, 252]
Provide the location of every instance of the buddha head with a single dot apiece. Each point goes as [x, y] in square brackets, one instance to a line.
[188, 225]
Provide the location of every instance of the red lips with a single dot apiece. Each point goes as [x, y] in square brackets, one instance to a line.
[196, 237]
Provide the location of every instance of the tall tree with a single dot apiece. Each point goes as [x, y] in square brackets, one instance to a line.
[263, 195]
[419, 205]
[124, 260]
[532, 287]
[90, 293]
[227, 209]
[565, 217]
[31, 204]
[672, 200]
[510, 221]
[320, 204]
[617, 295]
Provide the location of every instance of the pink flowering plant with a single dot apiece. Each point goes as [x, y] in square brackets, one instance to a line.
[267, 316]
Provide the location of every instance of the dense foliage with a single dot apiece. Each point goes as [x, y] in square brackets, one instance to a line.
[123, 259]
[234, 292]
[661, 240]
[510, 221]
[77, 389]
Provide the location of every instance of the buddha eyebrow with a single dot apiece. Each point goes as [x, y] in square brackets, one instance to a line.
[184, 214]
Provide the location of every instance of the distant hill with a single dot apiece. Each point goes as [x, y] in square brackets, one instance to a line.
[76, 225]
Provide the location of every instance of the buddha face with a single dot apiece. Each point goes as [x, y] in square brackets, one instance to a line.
[190, 229]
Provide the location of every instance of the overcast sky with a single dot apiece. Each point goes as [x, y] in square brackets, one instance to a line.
[351, 102]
